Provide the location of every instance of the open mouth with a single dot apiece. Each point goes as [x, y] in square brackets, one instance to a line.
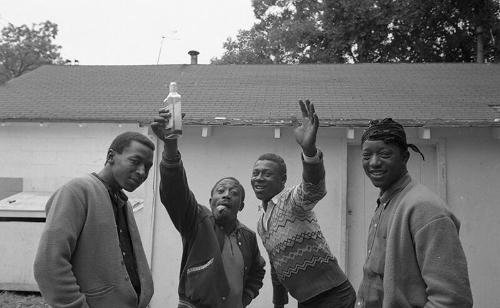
[258, 187]
[221, 208]
[377, 174]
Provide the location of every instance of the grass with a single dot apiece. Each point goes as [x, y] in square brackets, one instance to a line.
[21, 300]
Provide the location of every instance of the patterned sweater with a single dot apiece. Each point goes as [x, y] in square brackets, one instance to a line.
[301, 261]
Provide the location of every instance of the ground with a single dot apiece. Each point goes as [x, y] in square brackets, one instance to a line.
[21, 300]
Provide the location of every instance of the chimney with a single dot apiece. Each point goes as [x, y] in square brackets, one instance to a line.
[194, 56]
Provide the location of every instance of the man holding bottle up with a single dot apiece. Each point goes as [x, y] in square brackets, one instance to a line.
[221, 265]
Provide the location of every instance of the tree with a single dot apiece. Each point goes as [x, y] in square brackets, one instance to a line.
[484, 18]
[410, 30]
[250, 47]
[24, 48]
[354, 29]
[340, 31]
[286, 31]
[495, 33]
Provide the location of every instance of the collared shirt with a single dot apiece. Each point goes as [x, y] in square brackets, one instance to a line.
[371, 291]
[119, 201]
[267, 213]
[234, 268]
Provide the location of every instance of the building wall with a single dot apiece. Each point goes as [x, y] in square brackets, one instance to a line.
[46, 157]
[473, 193]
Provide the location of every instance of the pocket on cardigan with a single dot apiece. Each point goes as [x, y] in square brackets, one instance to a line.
[201, 267]
[201, 283]
[99, 291]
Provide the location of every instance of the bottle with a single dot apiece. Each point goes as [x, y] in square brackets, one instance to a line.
[173, 104]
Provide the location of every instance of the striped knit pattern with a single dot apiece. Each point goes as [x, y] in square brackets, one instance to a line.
[294, 241]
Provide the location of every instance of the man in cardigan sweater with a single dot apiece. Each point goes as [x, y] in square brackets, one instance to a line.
[301, 261]
[414, 255]
[90, 252]
[221, 265]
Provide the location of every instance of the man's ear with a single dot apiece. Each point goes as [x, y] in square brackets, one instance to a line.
[242, 205]
[406, 156]
[210, 200]
[110, 157]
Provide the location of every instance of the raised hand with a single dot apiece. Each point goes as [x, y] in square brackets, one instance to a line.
[305, 134]
[158, 127]
[159, 123]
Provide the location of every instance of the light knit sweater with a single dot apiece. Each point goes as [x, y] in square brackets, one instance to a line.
[424, 264]
[301, 261]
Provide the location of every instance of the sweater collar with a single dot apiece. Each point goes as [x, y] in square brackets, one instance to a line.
[118, 196]
[272, 202]
[398, 186]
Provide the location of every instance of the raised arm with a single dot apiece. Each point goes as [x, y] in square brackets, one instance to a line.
[175, 194]
[305, 135]
[312, 188]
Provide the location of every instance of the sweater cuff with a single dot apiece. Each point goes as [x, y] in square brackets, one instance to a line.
[315, 159]
[171, 161]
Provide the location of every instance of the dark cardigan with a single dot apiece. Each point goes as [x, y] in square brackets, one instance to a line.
[202, 281]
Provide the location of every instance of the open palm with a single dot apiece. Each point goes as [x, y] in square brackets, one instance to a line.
[305, 134]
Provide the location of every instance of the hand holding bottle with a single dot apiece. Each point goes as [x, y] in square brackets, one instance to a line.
[173, 127]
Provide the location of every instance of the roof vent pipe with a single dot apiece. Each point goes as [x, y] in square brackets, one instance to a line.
[194, 56]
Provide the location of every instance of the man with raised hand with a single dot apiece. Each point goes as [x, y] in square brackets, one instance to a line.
[301, 261]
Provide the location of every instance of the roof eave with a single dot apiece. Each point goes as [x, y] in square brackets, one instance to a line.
[273, 122]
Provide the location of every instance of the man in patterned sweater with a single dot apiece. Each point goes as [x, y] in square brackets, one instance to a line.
[301, 261]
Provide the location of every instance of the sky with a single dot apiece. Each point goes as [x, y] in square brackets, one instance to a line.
[135, 32]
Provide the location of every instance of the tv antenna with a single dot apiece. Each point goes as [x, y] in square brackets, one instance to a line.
[163, 37]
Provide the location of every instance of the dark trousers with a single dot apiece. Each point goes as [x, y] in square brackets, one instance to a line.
[342, 296]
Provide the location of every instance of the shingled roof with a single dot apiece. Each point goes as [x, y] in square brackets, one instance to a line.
[344, 94]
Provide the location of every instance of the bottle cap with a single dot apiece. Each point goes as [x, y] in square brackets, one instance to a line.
[173, 87]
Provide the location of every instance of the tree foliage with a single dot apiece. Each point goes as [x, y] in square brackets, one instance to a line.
[24, 48]
[340, 31]
[286, 31]
[410, 30]
[249, 47]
